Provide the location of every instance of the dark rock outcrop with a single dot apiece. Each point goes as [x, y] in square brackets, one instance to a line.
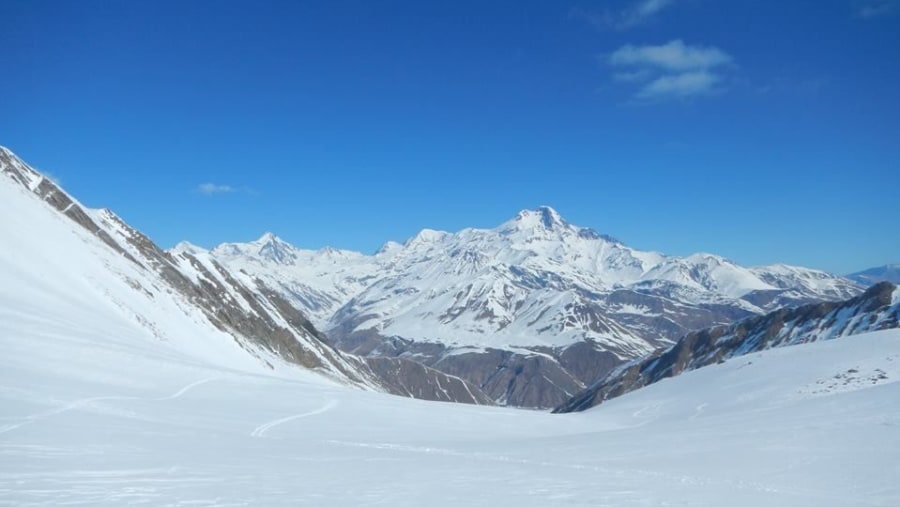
[873, 310]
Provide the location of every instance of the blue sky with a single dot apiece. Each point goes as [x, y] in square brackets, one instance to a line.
[764, 131]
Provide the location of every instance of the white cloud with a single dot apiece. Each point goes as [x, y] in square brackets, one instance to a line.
[635, 14]
[671, 70]
[675, 55]
[680, 85]
[212, 189]
[650, 7]
[641, 12]
[876, 8]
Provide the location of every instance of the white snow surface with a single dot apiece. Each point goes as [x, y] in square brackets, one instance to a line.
[115, 392]
[45, 253]
[95, 413]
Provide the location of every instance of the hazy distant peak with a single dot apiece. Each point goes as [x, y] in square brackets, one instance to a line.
[267, 237]
[427, 236]
[272, 248]
[886, 273]
[187, 247]
[390, 246]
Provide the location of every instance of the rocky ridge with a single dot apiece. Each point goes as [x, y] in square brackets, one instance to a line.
[878, 308]
[260, 319]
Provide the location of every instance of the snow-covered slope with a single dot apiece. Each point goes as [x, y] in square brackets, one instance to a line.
[96, 411]
[56, 252]
[530, 310]
[878, 308]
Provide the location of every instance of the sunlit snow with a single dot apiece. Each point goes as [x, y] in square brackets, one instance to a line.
[113, 392]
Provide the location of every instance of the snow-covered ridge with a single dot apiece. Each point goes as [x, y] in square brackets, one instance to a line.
[465, 287]
[185, 297]
[876, 309]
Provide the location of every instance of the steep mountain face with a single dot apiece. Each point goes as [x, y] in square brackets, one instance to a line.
[176, 295]
[878, 308]
[318, 282]
[886, 273]
[530, 311]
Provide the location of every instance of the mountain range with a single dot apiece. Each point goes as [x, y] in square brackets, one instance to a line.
[531, 311]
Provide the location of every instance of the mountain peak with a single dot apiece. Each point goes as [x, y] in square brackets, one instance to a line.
[550, 218]
[544, 217]
[187, 247]
[267, 237]
[275, 250]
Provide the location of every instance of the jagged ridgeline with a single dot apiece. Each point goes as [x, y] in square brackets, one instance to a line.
[261, 320]
[531, 311]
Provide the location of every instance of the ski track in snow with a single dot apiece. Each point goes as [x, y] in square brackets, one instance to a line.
[77, 404]
[181, 392]
[261, 430]
[698, 410]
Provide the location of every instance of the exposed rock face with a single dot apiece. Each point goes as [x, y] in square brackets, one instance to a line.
[416, 380]
[877, 308]
[259, 318]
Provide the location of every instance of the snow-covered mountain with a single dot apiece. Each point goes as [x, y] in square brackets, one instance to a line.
[876, 309]
[317, 282]
[97, 412]
[129, 376]
[531, 310]
[64, 254]
[871, 276]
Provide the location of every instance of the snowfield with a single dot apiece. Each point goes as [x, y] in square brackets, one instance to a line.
[115, 391]
[94, 417]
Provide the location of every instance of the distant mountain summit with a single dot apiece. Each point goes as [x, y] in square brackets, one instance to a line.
[532, 310]
[886, 273]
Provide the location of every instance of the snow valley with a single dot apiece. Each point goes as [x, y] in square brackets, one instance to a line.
[530, 311]
[132, 375]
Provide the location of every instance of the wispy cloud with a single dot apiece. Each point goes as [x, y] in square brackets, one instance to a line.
[213, 189]
[876, 8]
[647, 8]
[635, 14]
[671, 70]
[676, 56]
[679, 85]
